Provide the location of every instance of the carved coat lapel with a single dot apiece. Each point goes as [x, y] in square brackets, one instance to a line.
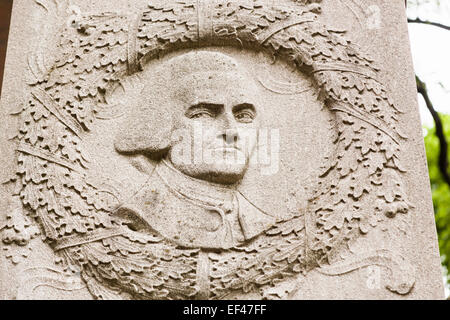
[194, 213]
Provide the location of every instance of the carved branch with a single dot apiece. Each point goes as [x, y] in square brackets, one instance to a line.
[430, 23]
[345, 76]
[443, 160]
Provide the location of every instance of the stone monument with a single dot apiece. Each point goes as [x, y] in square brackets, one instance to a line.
[213, 149]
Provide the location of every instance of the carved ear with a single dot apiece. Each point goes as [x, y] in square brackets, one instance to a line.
[147, 129]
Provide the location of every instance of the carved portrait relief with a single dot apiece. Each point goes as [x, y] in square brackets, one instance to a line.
[140, 153]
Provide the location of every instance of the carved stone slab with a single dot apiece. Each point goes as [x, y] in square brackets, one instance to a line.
[213, 149]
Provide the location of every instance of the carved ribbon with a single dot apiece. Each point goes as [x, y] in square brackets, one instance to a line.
[368, 118]
[99, 234]
[132, 51]
[205, 21]
[203, 275]
[47, 101]
[36, 277]
[402, 277]
[283, 25]
[345, 67]
[43, 154]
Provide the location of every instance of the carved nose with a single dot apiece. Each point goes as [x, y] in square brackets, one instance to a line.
[230, 136]
[229, 132]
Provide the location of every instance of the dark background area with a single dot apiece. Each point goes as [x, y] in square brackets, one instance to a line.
[5, 15]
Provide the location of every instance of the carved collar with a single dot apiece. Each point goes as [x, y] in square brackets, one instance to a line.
[243, 216]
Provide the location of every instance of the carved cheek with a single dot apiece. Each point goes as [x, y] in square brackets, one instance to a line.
[205, 134]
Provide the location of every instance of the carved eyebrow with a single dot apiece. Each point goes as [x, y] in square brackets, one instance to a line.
[210, 107]
[206, 105]
[244, 106]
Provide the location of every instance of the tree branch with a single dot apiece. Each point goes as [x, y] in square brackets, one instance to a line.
[435, 24]
[443, 152]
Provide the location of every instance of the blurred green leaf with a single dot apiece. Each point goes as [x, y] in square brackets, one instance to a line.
[440, 190]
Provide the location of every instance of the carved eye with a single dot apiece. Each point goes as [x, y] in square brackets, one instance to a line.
[204, 114]
[202, 111]
[244, 113]
[245, 117]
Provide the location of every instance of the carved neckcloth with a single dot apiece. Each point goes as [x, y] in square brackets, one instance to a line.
[194, 213]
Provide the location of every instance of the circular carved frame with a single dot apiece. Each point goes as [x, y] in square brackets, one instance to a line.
[359, 189]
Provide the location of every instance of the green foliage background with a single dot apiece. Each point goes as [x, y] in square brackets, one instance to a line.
[440, 190]
[435, 11]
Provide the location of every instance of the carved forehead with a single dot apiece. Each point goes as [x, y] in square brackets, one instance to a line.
[218, 88]
[205, 76]
[200, 62]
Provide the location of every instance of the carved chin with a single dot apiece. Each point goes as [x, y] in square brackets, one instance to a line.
[229, 168]
[223, 173]
[229, 175]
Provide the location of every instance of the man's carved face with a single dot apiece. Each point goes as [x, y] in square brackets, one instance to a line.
[218, 124]
[201, 110]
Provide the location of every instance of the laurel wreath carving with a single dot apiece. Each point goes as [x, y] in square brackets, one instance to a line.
[360, 187]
